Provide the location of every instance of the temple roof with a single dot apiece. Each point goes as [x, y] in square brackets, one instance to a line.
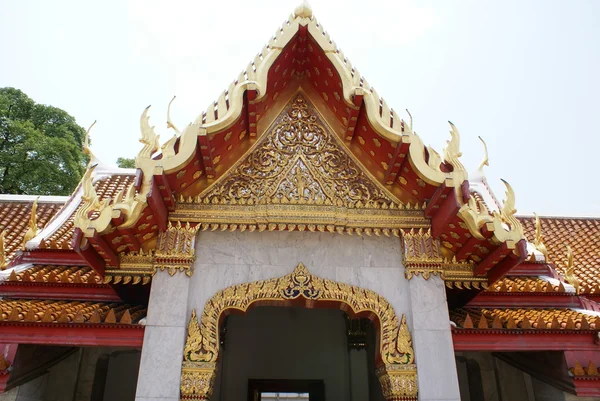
[43, 311]
[582, 235]
[525, 318]
[15, 214]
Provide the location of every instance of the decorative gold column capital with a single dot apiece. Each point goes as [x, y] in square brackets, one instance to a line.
[398, 382]
[197, 380]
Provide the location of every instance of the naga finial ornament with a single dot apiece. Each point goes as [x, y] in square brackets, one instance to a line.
[411, 120]
[3, 259]
[90, 199]
[169, 121]
[149, 138]
[86, 144]
[486, 160]
[452, 150]
[32, 231]
[539, 240]
[570, 271]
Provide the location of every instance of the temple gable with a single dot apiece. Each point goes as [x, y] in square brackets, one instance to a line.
[299, 161]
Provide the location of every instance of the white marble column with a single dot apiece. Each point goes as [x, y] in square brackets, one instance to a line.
[432, 340]
[162, 352]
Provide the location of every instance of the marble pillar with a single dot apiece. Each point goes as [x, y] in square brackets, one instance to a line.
[164, 338]
[432, 340]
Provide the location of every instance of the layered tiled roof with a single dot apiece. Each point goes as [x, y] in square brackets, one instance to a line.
[15, 212]
[517, 318]
[43, 311]
[525, 284]
[582, 235]
[57, 274]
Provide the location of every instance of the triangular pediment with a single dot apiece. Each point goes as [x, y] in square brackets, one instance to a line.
[299, 161]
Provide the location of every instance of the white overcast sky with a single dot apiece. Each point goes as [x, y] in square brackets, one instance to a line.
[525, 75]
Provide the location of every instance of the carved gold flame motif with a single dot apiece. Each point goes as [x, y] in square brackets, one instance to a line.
[299, 162]
[397, 371]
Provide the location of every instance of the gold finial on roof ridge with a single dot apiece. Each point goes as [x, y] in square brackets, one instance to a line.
[486, 160]
[3, 261]
[86, 144]
[32, 231]
[539, 240]
[169, 122]
[452, 150]
[303, 10]
[570, 271]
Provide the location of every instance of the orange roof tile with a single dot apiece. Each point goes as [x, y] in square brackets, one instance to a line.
[524, 284]
[57, 274]
[15, 212]
[582, 235]
[520, 318]
[42, 311]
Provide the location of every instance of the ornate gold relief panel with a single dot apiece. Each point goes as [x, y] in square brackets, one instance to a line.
[397, 370]
[423, 256]
[306, 176]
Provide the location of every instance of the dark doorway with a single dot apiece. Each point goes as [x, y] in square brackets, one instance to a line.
[267, 390]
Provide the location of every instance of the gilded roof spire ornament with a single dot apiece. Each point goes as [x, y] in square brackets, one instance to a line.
[507, 215]
[3, 261]
[33, 228]
[452, 150]
[303, 10]
[90, 200]
[570, 272]
[486, 160]
[168, 148]
[539, 241]
[410, 119]
[86, 145]
[169, 121]
[149, 138]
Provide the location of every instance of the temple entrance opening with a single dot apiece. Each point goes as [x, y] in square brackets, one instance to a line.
[294, 353]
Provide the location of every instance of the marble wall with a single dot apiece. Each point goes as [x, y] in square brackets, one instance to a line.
[228, 258]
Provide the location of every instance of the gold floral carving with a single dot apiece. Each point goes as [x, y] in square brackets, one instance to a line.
[303, 173]
[395, 354]
[299, 161]
[423, 257]
[175, 248]
[174, 251]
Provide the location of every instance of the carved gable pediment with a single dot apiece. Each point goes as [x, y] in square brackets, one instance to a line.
[299, 174]
[299, 161]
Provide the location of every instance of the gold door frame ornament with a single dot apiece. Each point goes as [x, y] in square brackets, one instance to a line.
[396, 370]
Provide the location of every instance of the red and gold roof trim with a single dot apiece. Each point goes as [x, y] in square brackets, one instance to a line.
[301, 57]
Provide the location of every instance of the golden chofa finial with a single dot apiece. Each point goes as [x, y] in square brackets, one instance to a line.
[539, 241]
[86, 144]
[3, 261]
[570, 272]
[485, 161]
[32, 231]
[410, 118]
[169, 121]
[303, 10]
[452, 150]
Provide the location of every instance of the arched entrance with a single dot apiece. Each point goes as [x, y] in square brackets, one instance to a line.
[394, 357]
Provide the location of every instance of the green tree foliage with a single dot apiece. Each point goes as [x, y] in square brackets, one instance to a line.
[40, 147]
[124, 162]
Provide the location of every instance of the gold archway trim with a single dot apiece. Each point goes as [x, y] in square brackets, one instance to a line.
[397, 370]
